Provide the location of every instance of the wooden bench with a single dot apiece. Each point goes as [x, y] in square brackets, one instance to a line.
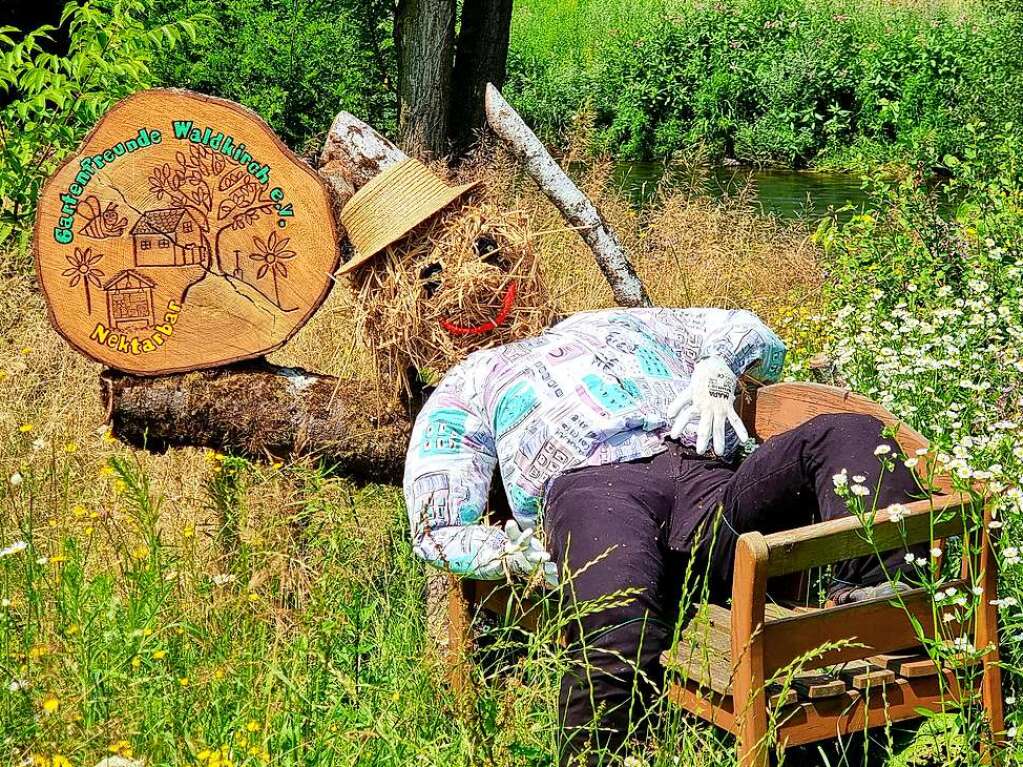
[734, 668]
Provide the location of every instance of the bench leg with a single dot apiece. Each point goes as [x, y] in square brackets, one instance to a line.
[986, 635]
[459, 651]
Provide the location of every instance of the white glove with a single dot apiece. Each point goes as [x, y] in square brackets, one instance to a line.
[710, 399]
[524, 554]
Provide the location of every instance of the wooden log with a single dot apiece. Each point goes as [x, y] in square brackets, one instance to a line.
[261, 411]
[575, 206]
[182, 234]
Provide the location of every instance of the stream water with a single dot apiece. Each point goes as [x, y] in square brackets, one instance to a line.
[787, 194]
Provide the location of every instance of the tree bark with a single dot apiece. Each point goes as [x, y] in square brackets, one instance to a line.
[425, 33]
[261, 411]
[481, 57]
[575, 206]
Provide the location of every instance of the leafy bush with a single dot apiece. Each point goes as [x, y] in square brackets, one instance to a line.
[786, 82]
[55, 99]
[296, 64]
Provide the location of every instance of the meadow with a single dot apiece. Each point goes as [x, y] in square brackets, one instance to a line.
[194, 608]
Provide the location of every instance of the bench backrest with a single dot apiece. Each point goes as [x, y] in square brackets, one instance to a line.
[878, 626]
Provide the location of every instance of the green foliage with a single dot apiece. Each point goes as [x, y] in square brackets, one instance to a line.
[786, 82]
[295, 63]
[56, 99]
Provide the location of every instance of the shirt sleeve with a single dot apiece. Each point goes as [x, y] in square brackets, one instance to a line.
[738, 336]
[448, 470]
[744, 342]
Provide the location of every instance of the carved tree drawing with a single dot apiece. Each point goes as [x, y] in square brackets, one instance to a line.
[217, 190]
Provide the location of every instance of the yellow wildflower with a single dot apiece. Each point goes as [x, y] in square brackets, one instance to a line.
[136, 661]
[140, 552]
[79, 511]
[189, 531]
[106, 470]
[160, 654]
[60, 761]
[25, 428]
[121, 748]
[253, 597]
[71, 447]
[50, 704]
[252, 726]
[183, 681]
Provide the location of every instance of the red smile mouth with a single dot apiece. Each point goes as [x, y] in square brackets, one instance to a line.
[477, 330]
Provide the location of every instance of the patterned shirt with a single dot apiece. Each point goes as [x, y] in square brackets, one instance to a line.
[593, 389]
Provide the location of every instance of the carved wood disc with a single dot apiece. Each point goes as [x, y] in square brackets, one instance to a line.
[183, 234]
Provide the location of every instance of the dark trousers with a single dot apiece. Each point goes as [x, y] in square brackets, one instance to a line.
[637, 527]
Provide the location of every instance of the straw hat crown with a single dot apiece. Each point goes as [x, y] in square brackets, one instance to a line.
[391, 205]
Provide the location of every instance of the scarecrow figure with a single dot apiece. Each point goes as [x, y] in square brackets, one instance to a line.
[614, 432]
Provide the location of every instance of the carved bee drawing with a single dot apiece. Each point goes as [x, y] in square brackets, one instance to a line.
[100, 223]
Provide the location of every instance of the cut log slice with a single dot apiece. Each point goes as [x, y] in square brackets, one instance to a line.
[183, 234]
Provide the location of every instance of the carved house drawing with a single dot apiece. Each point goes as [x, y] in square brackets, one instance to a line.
[168, 237]
[130, 300]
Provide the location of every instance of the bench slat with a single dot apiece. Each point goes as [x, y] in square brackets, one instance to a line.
[878, 625]
[824, 543]
[704, 654]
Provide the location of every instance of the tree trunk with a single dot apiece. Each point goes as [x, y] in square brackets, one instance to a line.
[261, 411]
[482, 57]
[425, 32]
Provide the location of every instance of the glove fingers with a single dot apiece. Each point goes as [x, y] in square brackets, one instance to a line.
[719, 433]
[512, 530]
[703, 432]
[684, 399]
[550, 574]
[682, 421]
[738, 425]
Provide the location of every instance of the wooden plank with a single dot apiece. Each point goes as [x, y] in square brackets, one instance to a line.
[877, 625]
[907, 665]
[500, 599]
[707, 705]
[851, 712]
[711, 629]
[708, 669]
[838, 539]
[814, 685]
[862, 675]
[749, 595]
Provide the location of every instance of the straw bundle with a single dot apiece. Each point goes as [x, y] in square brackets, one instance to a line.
[453, 274]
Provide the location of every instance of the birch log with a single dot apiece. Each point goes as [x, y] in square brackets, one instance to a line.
[575, 206]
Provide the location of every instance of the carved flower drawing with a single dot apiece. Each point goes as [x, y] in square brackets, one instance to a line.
[272, 253]
[83, 269]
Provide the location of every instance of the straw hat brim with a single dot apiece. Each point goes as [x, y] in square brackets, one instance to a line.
[391, 205]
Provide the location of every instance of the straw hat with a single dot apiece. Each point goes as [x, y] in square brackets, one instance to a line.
[391, 205]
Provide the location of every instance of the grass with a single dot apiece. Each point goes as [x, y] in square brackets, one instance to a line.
[190, 608]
